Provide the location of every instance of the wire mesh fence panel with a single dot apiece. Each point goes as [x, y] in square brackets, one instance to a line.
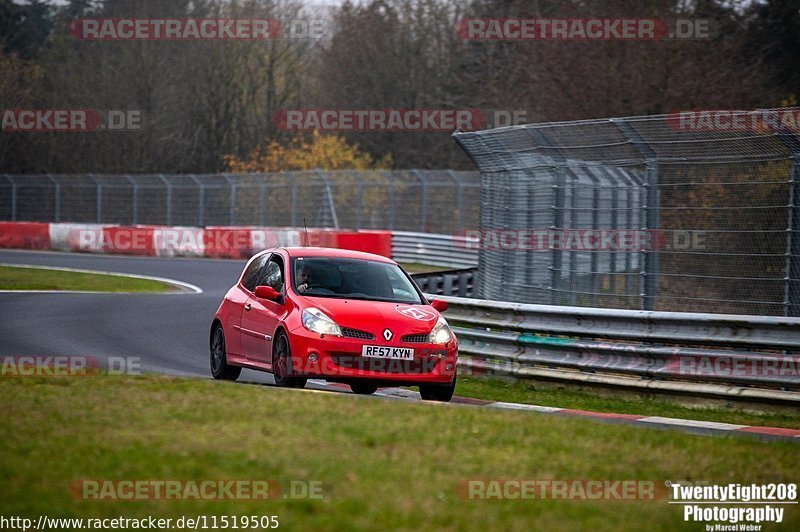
[657, 212]
[412, 200]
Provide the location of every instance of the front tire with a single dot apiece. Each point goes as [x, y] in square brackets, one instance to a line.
[363, 388]
[282, 364]
[220, 369]
[438, 392]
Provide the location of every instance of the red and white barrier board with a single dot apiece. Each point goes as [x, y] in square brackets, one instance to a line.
[378, 242]
[76, 237]
[163, 241]
[26, 235]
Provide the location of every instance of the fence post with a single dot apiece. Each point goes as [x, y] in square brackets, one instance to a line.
[392, 199]
[631, 183]
[201, 199]
[613, 178]
[791, 298]
[13, 197]
[232, 204]
[134, 200]
[169, 198]
[56, 198]
[328, 198]
[557, 207]
[293, 214]
[424, 184]
[459, 199]
[650, 268]
[98, 214]
[595, 257]
[574, 187]
[359, 198]
[262, 200]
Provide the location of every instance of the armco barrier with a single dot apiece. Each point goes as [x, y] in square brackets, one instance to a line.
[449, 251]
[718, 355]
[449, 282]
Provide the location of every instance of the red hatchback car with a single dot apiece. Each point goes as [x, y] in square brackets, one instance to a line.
[338, 315]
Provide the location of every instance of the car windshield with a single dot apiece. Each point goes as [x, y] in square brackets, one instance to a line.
[352, 279]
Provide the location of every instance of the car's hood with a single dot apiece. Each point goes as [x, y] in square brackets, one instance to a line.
[375, 316]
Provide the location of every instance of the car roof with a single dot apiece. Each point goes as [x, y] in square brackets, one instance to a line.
[334, 253]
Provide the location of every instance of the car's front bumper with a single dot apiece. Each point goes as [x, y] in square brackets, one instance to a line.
[339, 359]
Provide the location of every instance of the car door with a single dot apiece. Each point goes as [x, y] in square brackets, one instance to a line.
[260, 317]
[237, 298]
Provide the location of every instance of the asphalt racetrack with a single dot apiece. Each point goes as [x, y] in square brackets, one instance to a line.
[168, 332]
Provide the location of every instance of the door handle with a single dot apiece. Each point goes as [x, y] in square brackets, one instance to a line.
[247, 307]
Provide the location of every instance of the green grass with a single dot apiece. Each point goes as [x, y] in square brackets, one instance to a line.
[383, 464]
[516, 391]
[21, 278]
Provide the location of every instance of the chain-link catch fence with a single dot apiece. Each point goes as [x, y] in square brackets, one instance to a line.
[682, 212]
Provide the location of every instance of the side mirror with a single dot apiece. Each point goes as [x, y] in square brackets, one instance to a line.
[439, 305]
[267, 292]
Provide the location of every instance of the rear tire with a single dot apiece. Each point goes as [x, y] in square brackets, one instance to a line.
[363, 388]
[220, 369]
[282, 364]
[438, 392]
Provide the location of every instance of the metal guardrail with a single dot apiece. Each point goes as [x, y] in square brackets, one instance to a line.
[716, 355]
[449, 282]
[449, 251]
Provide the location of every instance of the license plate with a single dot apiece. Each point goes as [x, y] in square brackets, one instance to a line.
[379, 351]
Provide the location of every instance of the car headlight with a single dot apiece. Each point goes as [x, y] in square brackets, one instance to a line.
[441, 333]
[317, 321]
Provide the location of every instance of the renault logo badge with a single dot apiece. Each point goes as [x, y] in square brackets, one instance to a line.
[387, 334]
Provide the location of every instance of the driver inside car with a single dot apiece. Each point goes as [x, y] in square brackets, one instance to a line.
[304, 278]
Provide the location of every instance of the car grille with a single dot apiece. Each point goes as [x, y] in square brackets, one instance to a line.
[415, 338]
[355, 333]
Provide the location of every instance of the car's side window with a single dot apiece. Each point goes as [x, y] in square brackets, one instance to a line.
[272, 274]
[250, 278]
